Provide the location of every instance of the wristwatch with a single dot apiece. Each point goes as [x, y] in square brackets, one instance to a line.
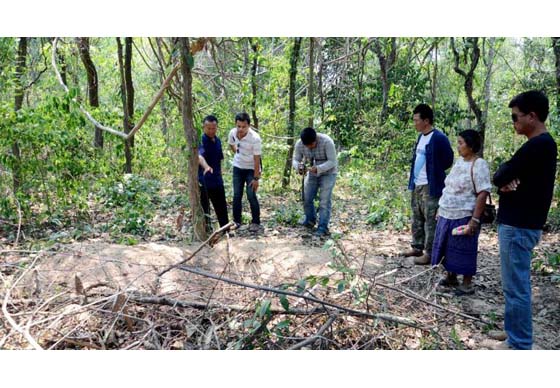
[256, 178]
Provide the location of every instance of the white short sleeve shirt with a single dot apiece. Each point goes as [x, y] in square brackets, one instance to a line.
[247, 148]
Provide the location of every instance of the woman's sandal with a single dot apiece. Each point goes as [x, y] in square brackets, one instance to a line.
[464, 290]
[446, 282]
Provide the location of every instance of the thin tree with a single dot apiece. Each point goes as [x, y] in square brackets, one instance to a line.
[292, 111]
[556, 48]
[255, 47]
[127, 95]
[93, 84]
[470, 55]
[18, 103]
[187, 63]
[386, 51]
[311, 88]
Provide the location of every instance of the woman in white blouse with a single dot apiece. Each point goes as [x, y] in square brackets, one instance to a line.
[461, 204]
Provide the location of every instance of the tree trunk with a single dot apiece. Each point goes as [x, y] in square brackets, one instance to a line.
[556, 48]
[470, 51]
[62, 61]
[126, 87]
[310, 89]
[187, 61]
[320, 80]
[18, 103]
[254, 67]
[487, 92]
[386, 62]
[434, 76]
[93, 84]
[292, 112]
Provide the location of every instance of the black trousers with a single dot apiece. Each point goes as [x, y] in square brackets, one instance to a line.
[218, 197]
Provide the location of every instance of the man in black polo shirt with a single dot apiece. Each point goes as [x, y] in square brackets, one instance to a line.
[210, 157]
[525, 184]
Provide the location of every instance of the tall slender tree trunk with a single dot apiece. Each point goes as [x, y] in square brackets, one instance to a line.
[434, 76]
[311, 86]
[470, 56]
[18, 103]
[255, 46]
[386, 62]
[292, 112]
[62, 60]
[321, 66]
[187, 61]
[127, 94]
[93, 84]
[487, 89]
[556, 48]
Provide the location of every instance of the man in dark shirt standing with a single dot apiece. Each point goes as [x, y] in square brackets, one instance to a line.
[525, 185]
[210, 157]
[432, 155]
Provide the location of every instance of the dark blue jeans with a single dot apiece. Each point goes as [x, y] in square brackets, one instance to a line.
[322, 184]
[516, 248]
[241, 179]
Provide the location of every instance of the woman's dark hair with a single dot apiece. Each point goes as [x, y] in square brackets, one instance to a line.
[472, 138]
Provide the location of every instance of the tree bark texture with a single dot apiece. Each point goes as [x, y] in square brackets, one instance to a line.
[386, 62]
[127, 93]
[310, 88]
[556, 48]
[471, 56]
[255, 47]
[93, 84]
[292, 111]
[18, 103]
[198, 221]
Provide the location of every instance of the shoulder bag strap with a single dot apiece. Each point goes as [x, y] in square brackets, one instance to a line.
[474, 185]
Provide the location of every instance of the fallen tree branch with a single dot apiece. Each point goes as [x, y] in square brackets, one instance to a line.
[386, 317]
[318, 335]
[212, 236]
[420, 299]
[165, 301]
[11, 321]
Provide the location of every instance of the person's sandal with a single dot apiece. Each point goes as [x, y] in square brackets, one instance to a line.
[446, 282]
[464, 290]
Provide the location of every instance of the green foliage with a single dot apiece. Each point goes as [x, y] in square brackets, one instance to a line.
[455, 338]
[134, 200]
[55, 160]
[287, 214]
[550, 264]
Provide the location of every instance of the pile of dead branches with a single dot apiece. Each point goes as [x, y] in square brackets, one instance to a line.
[350, 309]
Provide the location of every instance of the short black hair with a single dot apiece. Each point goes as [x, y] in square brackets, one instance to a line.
[531, 101]
[425, 112]
[308, 136]
[210, 119]
[472, 138]
[243, 117]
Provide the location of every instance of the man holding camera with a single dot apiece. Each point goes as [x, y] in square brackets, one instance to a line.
[320, 153]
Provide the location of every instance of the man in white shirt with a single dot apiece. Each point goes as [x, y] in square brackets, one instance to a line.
[245, 143]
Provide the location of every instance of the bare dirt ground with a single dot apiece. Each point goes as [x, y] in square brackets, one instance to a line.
[94, 294]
